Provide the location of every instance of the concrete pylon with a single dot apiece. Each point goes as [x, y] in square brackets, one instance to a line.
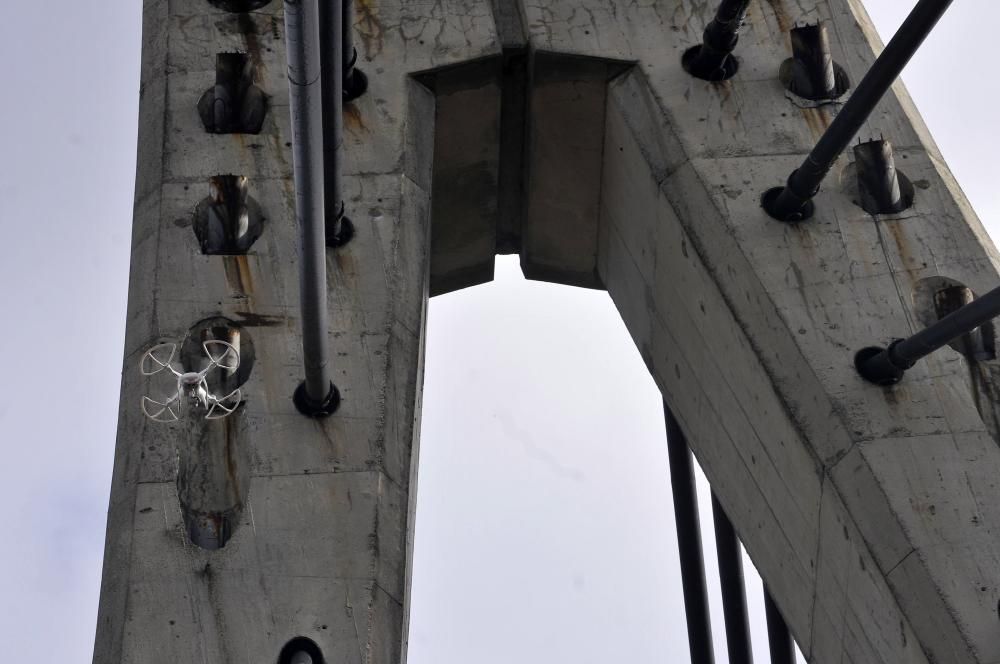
[566, 131]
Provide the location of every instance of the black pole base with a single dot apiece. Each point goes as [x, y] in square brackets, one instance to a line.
[309, 408]
[339, 231]
[355, 80]
[875, 366]
[776, 206]
[709, 65]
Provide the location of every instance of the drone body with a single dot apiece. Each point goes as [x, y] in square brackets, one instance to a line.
[194, 384]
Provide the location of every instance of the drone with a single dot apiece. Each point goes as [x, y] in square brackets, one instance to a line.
[193, 384]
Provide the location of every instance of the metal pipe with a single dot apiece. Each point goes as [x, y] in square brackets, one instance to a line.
[699, 624]
[316, 396]
[712, 60]
[814, 76]
[885, 366]
[793, 202]
[355, 81]
[878, 179]
[779, 639]
[331, 17]
[734, 598]
[301, 657]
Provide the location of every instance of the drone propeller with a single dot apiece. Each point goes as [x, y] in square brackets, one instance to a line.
[227, 405]
[216, 358]
[151, 364]
[159, 411]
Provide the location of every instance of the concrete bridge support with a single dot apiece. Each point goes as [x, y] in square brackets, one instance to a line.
[569, 133]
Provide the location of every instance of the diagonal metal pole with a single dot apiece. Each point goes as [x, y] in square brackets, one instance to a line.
[713, 59]
[699, 624]
[793, 202]
[885, 366]
[734, 598]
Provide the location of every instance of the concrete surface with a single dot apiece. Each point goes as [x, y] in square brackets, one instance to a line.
[566, 131]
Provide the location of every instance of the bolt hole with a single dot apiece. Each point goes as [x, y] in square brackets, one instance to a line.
[228, 221]
[234, 105]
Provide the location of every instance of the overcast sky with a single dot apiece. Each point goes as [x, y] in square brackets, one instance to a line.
[544, 530]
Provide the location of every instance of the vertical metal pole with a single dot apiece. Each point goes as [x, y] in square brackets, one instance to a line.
[699, 624]
[734, 599]
[331, 16]
[317, 395]
[779, 639]
[355, 81]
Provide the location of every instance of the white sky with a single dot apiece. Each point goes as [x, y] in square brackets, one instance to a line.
[544, 524]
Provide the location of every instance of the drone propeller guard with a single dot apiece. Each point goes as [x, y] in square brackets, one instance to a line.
[193, 383]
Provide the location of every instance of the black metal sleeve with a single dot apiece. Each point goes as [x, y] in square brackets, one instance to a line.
[712, 60]
[885, 366]
[699, 625]
[779, 639]
[734, 599]
[303, 46]
[790, 203]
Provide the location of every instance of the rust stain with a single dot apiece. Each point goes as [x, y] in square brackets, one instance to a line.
[353, 122]
[238, 274]
[784, 22]
[252, 319]
[817, 119]
[345, 263]
[903, 245]
[369, 27]
[233, 488]
[248, 29]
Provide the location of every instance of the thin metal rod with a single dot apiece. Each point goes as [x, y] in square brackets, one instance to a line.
[331, 16]
[304, 85]
[355, 81]
[699, 624]
[779, 639]
[348, 49]
[712, 59]
[887, 365]
[792, 202]
[734, 598]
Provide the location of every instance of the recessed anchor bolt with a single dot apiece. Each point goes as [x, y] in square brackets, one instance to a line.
[883, 189]
[234, 105]
[713, 59]
[811, 72]
[229, 220]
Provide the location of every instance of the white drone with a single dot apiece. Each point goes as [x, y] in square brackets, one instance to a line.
[193, 383]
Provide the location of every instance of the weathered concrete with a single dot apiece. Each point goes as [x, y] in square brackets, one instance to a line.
[565, 130]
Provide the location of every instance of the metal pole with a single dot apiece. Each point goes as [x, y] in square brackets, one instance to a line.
[885, 366]
[699, 624]
[793, 202]
[779, 639]
[317, 395]
[713, 61]
[734, 599]
[331, 16]
[355, 81]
